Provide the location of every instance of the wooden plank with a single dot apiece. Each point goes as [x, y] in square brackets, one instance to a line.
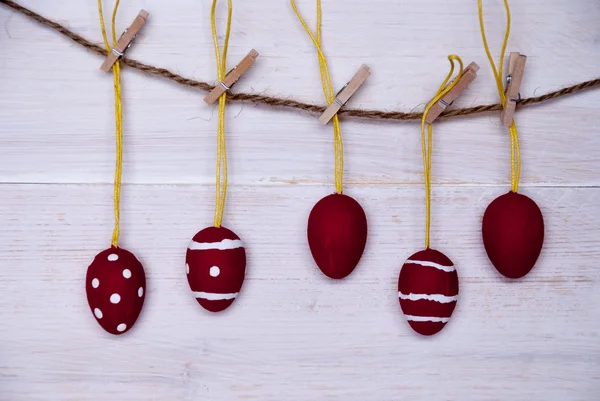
[57, 113]
[536, 339]
[344, 340]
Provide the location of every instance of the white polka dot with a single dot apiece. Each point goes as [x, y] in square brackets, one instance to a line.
[98, 313]
[113, 256]
[215, 271]
[121, 327]
[140, 291]
[126, 273]
[187, 268]
[95, 283]
[115, 298]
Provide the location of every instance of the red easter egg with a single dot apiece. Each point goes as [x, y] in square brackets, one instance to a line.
[115, 285]
[337, 234]
[215, 267]
[513, 234]
[428, 290]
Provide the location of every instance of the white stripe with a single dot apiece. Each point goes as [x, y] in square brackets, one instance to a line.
[211, 296]
[427, 319]
[443, 299]
[431, 264]
[221, 246]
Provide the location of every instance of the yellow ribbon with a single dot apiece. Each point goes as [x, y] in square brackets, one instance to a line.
[515, 153]
[116, 69]
[329, 96]
[427, 144]
[221, 189]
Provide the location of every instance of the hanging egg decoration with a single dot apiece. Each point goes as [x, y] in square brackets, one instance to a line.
[428, 291]
[337, 234]
[115, 285]
[513, 234]
[428, 282]
[215, 267]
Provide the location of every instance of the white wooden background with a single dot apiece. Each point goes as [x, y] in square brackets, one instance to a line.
[293, 334]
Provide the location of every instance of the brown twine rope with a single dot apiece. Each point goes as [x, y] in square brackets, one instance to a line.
[289, 103]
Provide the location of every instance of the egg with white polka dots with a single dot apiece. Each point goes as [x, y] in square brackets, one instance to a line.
[215, 267]
[115, 285]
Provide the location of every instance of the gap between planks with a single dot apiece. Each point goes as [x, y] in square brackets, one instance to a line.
[283, 183]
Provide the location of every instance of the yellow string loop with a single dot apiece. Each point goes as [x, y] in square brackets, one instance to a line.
[116, 69]
[329, 95]
[221, 189]
[427, 145]
[515, 151]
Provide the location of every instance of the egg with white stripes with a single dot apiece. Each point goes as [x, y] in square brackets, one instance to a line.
[115, 286]
[215, 267]
[428, 291]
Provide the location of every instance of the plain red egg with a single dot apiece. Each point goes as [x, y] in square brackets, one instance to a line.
[428, 291]
[337, 234]
[215, 265]
[115, 286]
[513, 234]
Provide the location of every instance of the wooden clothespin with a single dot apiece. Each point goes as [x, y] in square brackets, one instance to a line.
[232, 77]
[469, 74]
[345, 94]
[124, 41]
[516, 68]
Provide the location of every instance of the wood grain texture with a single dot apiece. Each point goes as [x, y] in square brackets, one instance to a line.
[293, 334]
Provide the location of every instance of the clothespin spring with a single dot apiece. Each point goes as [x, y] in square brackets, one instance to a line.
[508, 80]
